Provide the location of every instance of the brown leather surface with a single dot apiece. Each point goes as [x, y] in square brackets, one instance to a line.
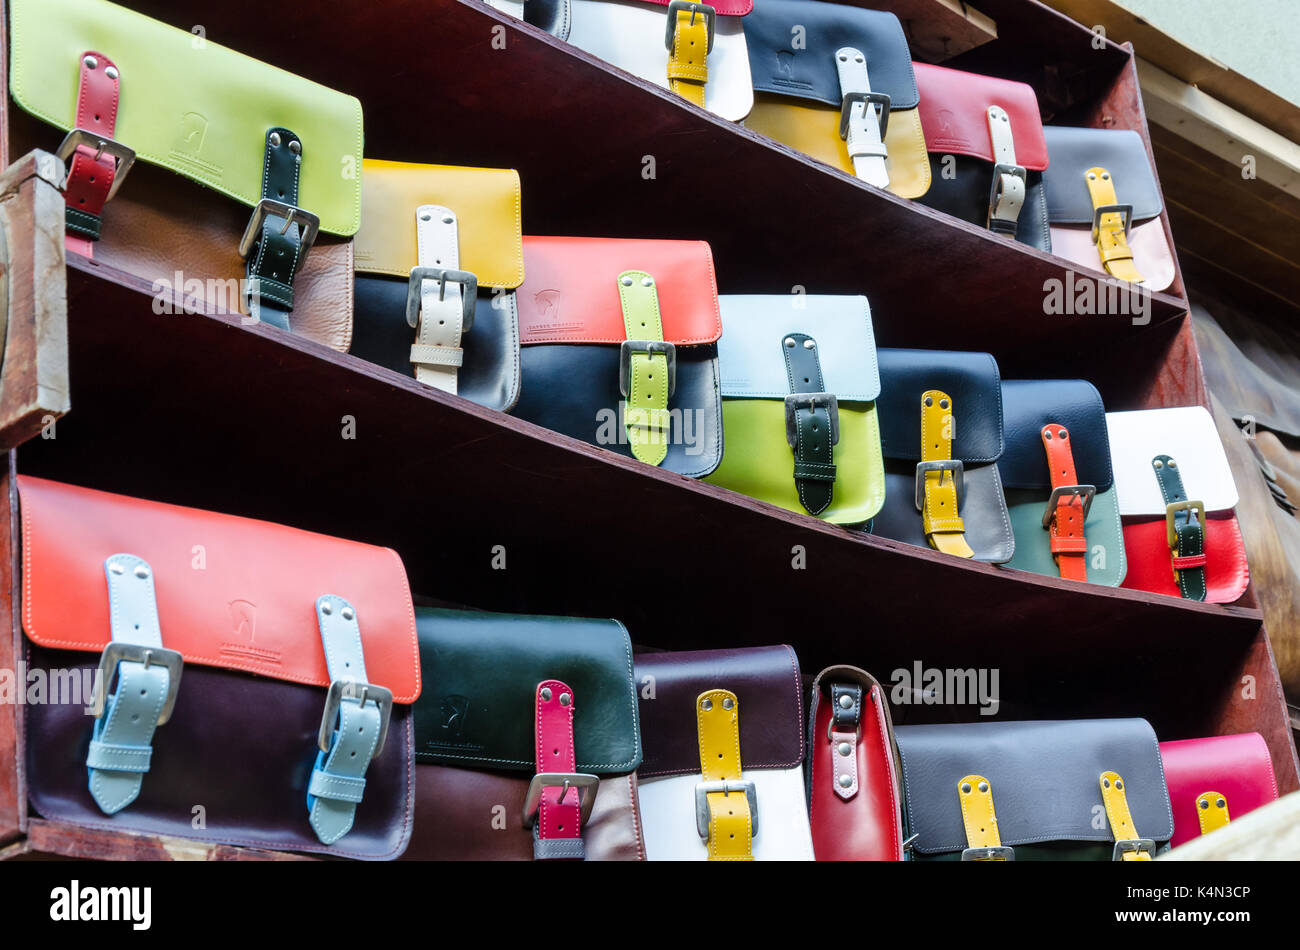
[468, 815]
[160, 223]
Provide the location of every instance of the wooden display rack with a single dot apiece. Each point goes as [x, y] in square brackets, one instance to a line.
[203, 411]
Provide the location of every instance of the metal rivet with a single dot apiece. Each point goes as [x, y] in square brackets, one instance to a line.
[809, 344]
[91, 62]
[326, 609]
[116, 568]
[707, 705]
[984, 786]
[141, 571]
[647, 282]
[846, 781]
[965, 788]
[1119, 785]
[728, 703]
[1063, 434]
[449, 219]
[858, 59]
[846, 702]
[296, 147]
[843, 58]
[846, 748]
[110, 72]
[1048, 435]
[943, 404]
[1092, 176]
[275, 139]
[1105, 783]
[347, 613]
[1105, 176]
[1204, 805]
[1221, 803]
[627, 281]
[1158, 464]
[1173, 464]
[565, 699]
[929, 400]
[789, 341]
[426, 217]
[546, 693]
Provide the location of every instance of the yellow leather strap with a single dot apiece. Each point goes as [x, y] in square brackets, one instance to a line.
[940, 515]
[1211, 811]
[979, 819]
[730, 827]
[1109, 234]
[688, 66]
[1121, 820]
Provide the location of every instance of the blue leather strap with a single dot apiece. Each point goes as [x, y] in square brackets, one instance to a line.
[121, 742]
[338, 782]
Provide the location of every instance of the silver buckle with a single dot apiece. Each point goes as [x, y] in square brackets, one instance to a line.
[1000, 853]
[116, 652]
[292, 214]
[710, 15]
[1124, 211]
[954, 466]
[702, 791]
[124, 154]
[1086, 492]
[650, 348]
[469, 293]
[581, 781]
[362, 693]
[871, 99]
[796, 401]
[1133, 845]
[995, 191]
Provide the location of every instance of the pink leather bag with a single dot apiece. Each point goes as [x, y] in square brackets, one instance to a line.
[1236, 771]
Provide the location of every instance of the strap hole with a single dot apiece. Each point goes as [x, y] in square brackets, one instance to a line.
[352, 755]
[135, 718]
[144, 692]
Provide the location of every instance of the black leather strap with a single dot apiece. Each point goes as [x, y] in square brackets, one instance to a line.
[814, 448]
[846, 707]
[1188, 530]
[274, 258]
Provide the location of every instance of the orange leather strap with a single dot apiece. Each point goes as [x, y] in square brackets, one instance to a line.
[1069, 544]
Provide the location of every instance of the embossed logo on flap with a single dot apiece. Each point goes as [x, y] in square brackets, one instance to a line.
[243, 626]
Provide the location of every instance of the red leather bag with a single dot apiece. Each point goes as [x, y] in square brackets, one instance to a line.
[1235, 770]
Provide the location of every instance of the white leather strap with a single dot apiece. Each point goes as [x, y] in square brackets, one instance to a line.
[1008, 195]
[514, 7]
[866, 147]
[437, 351]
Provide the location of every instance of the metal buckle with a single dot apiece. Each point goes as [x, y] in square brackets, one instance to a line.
[702, 791]
[565, 780]
[710, 15]
[872, 99]
[125, 155]
[1086, 492]
[116, 652]
[362, 693]
[292, 214]
[1171, 533]
[995, 191]
[954, 466]
[796, 401]
[1124, 211]
[469, 293]
[1132, 845]
[648, 347]
[1000, 853]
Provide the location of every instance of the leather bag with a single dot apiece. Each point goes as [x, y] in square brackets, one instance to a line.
[799, 384]
[494, 782]
[275, 670]
[722, 777]
[1215, 780]
[619, 347]
[1090, 789]
[438, 244]
[1059, 486]
[943, 491]
[844, 93]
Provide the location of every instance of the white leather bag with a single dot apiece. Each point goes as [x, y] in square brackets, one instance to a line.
[1187, 434]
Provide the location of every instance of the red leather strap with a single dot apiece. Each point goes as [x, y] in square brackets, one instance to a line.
[1194, 560]
[560, 812]
[89, 179]
[1069, 543]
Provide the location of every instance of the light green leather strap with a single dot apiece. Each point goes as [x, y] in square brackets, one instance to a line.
[645, 409]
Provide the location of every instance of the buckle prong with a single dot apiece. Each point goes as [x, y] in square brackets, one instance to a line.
[119, 651]
[124, 154]
[415, 289]
[703, 9]
[362, 693]
[953, 466]
[649, 348]
[291, 214]
[702, 791]
[811, 401]
[1084, 492]
[585, 784]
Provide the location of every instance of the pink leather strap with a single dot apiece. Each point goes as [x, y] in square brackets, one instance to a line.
[1192, 560]
[89, 179]
[559, 816]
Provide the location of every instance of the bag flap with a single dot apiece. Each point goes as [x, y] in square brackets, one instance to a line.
[1073, 151]
[232, 592]
[1030, 404]
[486, 203]
[754, 326]
[819, 30]
[1238, 767]
[1044, 776]
[971, 379]
[1187, 434]
[570, 293]
[954, 114]
[768, 691]
[484, 669]
[191, 106]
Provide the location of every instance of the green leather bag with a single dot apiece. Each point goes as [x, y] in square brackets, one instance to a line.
[799, 383]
